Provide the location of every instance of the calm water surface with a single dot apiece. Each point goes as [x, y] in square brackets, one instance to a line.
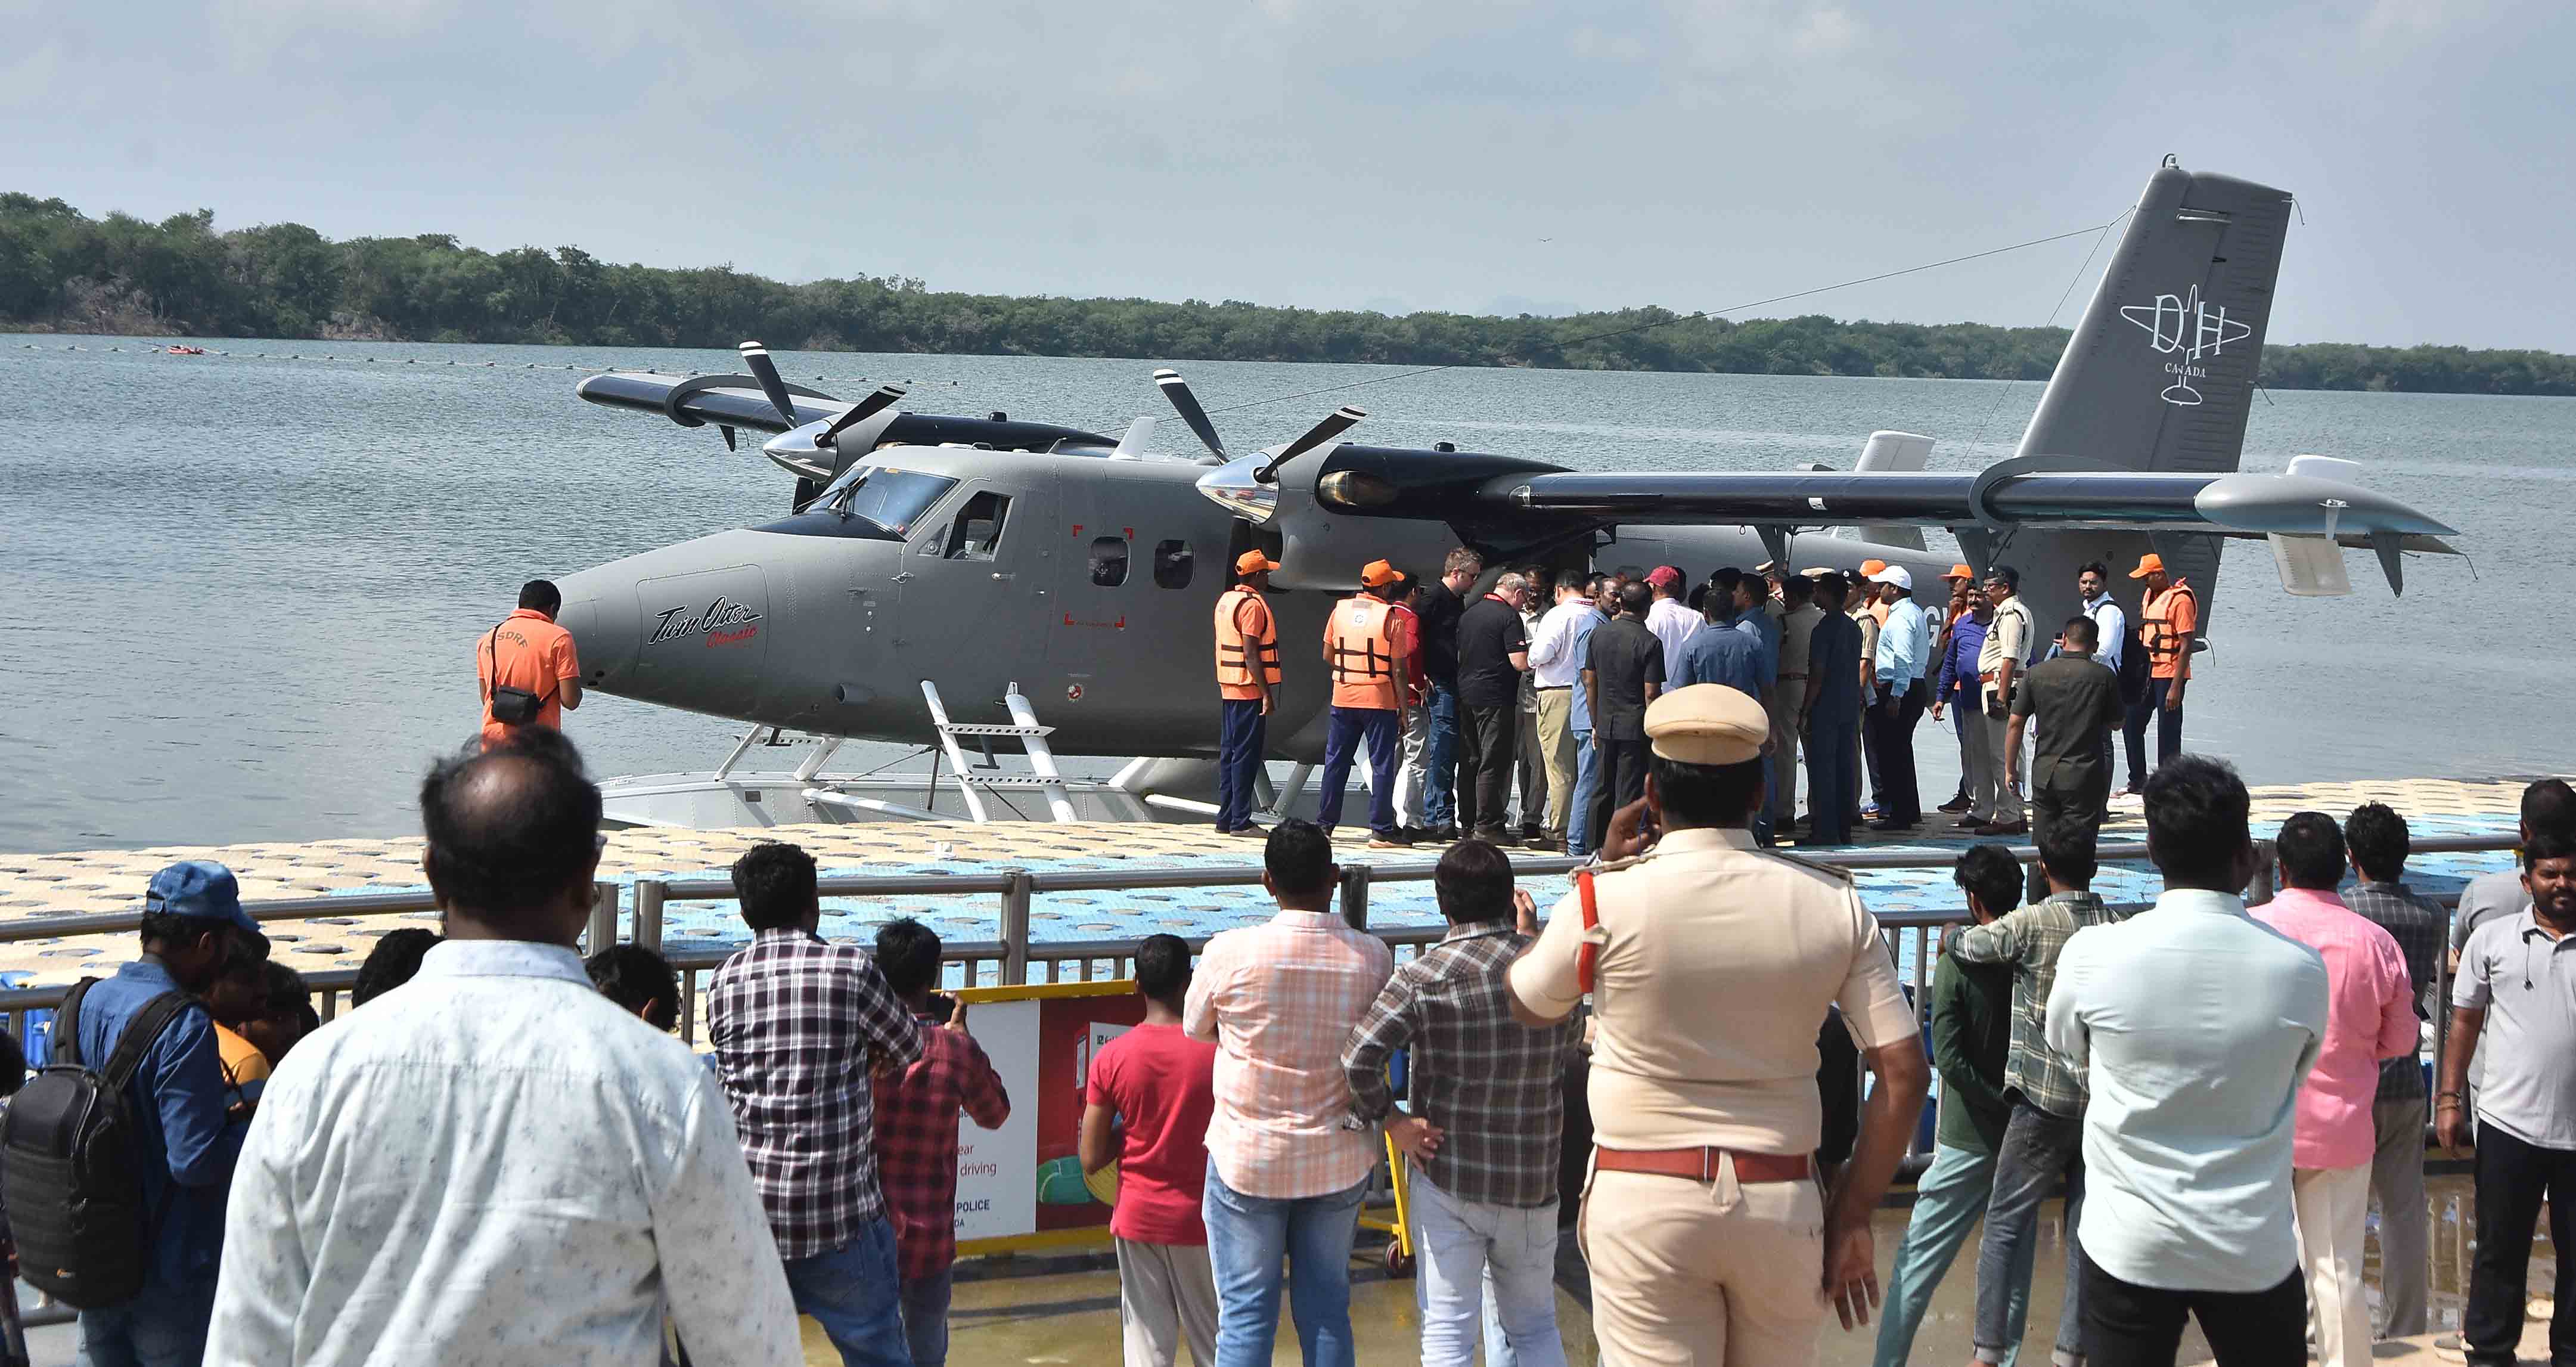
[243, 593]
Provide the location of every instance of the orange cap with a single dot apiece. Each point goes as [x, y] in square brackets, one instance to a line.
[1869, 567]
[1960, 572]
[1253, 562]
[2150, 563]
[1378, 574]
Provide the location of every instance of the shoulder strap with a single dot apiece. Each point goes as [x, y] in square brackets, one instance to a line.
[1590, 953]
[140, 1032]
[64, 1044]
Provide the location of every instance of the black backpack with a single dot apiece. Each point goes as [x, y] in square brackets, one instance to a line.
[2134, 664]
[68, 1169]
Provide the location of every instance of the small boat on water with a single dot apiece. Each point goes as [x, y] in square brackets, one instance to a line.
[185, 350]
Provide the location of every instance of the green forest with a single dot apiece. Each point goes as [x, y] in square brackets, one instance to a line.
[63, 271]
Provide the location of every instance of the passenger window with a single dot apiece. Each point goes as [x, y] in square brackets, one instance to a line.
[978, 528]
[1109, 561]
[1172, 564]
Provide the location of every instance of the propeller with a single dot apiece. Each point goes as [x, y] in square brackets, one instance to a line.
[859, 412]
[1334, 424]
[755, 357]
[1177, 390]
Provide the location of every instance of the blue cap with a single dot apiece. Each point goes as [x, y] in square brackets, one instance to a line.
[199, 890]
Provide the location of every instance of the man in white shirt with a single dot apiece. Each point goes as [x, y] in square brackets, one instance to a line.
[496, 1164]
[2198, 1024]
[1556, 667]
[1671, 619]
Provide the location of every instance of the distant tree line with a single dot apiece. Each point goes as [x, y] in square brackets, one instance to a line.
[61, 270]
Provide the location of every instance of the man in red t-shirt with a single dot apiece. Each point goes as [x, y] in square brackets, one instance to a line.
[1161, 1086]
[528, 651]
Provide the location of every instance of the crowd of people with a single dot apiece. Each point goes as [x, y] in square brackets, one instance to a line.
[1514, 714]
[502, 1154]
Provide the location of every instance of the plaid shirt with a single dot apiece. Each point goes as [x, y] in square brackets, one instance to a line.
[2030, 940]
[795, 1022]
[2418, 927]
[1491, 1084]
[1279, 999]
[917, 1141]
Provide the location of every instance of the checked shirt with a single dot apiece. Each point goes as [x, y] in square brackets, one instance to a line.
[917, 1141]
[1492, 1085]
[2030, 940]
[797, 1025]
[2418, 927]
[1279, 999]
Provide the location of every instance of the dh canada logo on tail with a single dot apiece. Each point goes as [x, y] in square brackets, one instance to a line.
[2187, 328]
[721, 615]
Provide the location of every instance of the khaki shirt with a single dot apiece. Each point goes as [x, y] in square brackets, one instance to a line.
[1716, 964]
[1870, 626]
[2007, 637]
[1797, 630]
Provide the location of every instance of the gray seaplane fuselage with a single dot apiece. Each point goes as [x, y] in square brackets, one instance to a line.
[1088, 583]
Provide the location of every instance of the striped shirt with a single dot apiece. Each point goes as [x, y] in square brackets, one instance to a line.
[1495, 1087]
[797, 1025]
[1280, 999]
[2030, 940]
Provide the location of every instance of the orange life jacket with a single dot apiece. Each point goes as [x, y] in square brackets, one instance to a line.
[2166, 647]
[1358, 641]
[1237, 654]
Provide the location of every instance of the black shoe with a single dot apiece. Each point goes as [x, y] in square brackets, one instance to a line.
[1498, 837]
[1893, 825]
[1531, 833]
[1956, 805]
[1442, 834]
[1391, 840]
[2135, 789]
[1416, 834]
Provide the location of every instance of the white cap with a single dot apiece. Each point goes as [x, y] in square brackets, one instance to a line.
[1895, 574]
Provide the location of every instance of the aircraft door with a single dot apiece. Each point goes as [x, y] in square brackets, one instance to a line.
[973, 592]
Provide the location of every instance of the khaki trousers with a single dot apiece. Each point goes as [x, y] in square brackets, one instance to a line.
[2333, 1208]
[1166, 1293]
[1556, 752]
[1785, 697]
[1704, 1274]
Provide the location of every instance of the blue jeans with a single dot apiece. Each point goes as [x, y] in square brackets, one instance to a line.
[1238, 761]
[1247, 1236]
[2038, 1149]
[1948, 1198]
[1440, 803]
[925, 1317]
[1381, 728]
[1587, 786]
[163, 1327]
[852, 1292]
[1465, 1247]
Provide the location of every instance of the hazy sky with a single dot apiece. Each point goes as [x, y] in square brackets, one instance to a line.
[1499, 155]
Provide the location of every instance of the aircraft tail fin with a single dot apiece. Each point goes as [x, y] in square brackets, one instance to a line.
[2160, 373]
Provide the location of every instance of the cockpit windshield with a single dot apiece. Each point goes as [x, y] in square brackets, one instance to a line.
[890, 498]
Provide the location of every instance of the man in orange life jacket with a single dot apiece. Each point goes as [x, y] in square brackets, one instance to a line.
[2167, 622]
[1366, 645]
[528, 654]
[1247, 678]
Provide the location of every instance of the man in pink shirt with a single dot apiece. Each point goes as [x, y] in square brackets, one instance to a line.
[2370, 1016]
[1285, 1172]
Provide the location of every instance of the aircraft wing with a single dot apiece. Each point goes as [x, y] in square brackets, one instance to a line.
[700, 400]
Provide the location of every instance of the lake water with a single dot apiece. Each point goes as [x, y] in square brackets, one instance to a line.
[245, 591]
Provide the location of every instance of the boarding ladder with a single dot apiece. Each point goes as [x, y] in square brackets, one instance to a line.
[972, 783]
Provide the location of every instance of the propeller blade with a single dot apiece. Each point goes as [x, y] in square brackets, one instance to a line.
[860, 412]
[756, 358]
[1177, 390]
[1335, 423]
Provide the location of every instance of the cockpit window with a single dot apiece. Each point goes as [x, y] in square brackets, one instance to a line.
[978, 528]
[891, 498]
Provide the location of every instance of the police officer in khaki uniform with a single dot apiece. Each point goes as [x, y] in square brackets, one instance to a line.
[1711, 966]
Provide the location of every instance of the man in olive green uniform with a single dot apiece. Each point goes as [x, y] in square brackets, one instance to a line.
[1713, 964]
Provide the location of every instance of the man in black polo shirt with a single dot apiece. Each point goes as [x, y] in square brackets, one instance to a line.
[1623, 670]
[1493, 652]
[1441, 608]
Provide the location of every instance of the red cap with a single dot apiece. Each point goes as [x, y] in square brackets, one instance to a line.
[1664, 577]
